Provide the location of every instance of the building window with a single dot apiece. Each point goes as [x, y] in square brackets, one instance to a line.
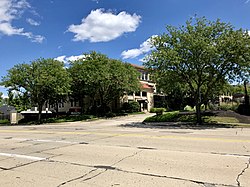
[144, 94]
[137, 94]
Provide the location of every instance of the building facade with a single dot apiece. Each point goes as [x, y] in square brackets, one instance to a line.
[145, 97]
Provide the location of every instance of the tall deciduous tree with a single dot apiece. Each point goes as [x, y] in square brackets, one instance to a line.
[203, 55]
[41, 81]
[98, 76]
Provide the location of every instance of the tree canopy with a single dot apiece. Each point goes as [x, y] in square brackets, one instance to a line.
[98, 76]
[40, 80]
[202, 55]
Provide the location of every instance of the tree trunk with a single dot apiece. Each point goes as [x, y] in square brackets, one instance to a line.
[81, 101]
[40, 108]
[198, 113]
[246, 95]
[57, 109]
[198, 107]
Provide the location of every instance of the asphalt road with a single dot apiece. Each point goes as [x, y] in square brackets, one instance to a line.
[110, 153]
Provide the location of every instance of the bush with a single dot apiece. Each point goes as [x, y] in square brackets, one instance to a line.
[131, 107]
[158, 111]
[4, 121]
[167, 117]
[228, 106]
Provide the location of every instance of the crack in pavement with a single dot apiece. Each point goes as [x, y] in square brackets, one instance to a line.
[77, 178]
[246, 148]
[230, 154]
[174, 178]
[242, 172]
[106, 168]
[129, 156]
[111, 167]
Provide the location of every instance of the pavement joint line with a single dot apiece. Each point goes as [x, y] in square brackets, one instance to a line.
[130, 135]
[22, 156]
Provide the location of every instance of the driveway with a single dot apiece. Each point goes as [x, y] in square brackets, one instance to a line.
[119, 152]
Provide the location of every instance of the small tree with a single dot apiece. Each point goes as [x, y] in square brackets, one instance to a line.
[203, 55]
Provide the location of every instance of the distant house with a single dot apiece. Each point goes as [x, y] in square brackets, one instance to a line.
[6, 109]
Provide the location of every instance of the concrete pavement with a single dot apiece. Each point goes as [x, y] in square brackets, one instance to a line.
[116, 152]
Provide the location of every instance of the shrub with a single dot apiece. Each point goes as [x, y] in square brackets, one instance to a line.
[228, 106]
[131, 107]
[158, 111]
[4, 121]
[169, 116]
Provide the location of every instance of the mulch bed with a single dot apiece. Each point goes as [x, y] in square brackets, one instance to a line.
[229, 113]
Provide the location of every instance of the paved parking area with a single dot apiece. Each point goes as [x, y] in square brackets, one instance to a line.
[112, 152]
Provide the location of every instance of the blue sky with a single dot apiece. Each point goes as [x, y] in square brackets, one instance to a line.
[65, 29]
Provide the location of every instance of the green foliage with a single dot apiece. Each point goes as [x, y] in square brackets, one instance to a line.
[228, 106]
[223, 120]
[100, 77]
[131, 107]
[21, 102]
[169, 116]
[42, 80]
[201, 57]
[4, 121]
[158, 111]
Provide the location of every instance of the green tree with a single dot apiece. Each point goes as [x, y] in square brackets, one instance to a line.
[41, 81]
[20, 101]
[204, 55]
[98, 76]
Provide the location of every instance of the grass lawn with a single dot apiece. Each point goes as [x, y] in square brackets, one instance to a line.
[177, 116]
[218, 119]
[4, 121]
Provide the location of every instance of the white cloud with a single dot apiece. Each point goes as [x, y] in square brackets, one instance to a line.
[32, 22]
[13, 9]
[100, 26]
[66, 59]
[145, 47]
[61, 58]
